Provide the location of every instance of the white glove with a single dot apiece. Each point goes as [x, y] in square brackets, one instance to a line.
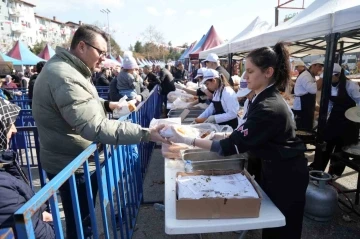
[179, 86]
[203, 88]
[178, 138]
[155, 135]
[210, 120]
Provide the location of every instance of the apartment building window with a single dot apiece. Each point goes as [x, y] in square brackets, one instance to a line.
[2, 26]
[15, 19]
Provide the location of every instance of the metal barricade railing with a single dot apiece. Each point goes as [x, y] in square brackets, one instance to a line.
[26, 144]
[103, 91]
[120, 180]
[23, 103]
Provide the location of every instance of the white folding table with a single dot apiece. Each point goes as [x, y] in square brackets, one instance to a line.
[270, 216]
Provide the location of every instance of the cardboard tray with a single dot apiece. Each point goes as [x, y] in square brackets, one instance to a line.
[216, 208]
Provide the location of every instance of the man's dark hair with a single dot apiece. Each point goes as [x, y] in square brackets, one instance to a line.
[103, 70]
[87, 33]
[39, 66]
[147, 67]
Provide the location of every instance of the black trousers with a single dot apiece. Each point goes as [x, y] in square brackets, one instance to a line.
[336, 167]
[286, 184]
[65, 195]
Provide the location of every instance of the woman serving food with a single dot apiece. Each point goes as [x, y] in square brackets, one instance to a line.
[268, 133]
[224, 107]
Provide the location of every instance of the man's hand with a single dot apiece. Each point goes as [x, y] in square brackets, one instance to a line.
[114, 105]
[47, 217]
[138, 98]
[155, 135]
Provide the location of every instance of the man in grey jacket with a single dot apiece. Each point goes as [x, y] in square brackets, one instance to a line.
[70, 115]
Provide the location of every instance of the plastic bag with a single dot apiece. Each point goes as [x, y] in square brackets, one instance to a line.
[192, 85]
[126, 108]
[179, 104]
[182, 95]
[200, 131]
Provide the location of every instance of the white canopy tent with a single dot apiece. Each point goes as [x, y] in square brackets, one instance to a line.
[256, 27]
[306, 31]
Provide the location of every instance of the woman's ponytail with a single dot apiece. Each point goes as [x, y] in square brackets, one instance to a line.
[282, 68]
[277, 58]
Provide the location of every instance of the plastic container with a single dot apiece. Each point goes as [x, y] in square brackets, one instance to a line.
[159, 207]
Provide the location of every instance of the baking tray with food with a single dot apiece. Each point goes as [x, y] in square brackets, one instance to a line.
[192, 112]
[201, 159]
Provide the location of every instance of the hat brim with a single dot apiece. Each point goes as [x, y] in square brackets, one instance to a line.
[243, 92]
[205, 80]
[197, 76]
[353, 114]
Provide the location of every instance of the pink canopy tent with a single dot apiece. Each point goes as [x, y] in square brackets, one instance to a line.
[210, 40]
[47, 52]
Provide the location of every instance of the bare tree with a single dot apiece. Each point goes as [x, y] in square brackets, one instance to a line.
[152, 35]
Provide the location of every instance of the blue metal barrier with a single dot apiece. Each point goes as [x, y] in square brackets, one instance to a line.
[28, 152]
[7, 233]
[103, 91]
[23, 103]
[120, 180]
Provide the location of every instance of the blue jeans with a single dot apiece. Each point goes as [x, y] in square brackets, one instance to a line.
[131, 93]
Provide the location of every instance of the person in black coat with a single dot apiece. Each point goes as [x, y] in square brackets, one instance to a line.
[268, 133]
[14, 186]
[103, 79]
[39, 67]
[151, 80]
[180, 74]
[167, 83]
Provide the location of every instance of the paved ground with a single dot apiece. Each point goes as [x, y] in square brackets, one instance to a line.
[150, 223]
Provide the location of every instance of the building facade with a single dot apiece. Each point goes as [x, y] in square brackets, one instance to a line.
[18, 21]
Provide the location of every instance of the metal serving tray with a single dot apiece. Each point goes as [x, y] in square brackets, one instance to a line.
[206, 160]
[192, 114]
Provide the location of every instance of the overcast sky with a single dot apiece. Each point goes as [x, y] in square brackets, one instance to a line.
[180, 21]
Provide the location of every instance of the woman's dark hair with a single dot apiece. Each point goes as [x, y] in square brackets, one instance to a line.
[223, 81]
[39, 66]
[277, 58]
[342, 85]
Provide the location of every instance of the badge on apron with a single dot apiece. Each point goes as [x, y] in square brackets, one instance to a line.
[243, 131]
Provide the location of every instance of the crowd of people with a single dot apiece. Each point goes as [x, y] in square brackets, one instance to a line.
[67, 109]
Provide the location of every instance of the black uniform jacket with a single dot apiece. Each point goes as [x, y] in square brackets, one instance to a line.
[269, 131]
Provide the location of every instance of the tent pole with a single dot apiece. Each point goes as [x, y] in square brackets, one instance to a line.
[276, 16]
[331, 45]
[341, 52]
[230, 66]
